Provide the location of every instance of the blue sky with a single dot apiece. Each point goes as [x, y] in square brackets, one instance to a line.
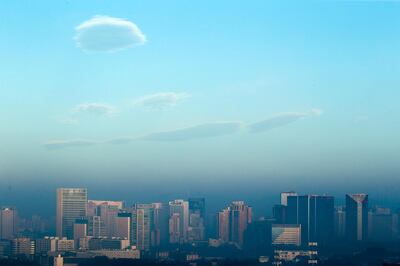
[178, 92]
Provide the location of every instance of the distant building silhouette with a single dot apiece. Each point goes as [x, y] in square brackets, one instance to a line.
[8, 223]
[356, 217]
[315, 214]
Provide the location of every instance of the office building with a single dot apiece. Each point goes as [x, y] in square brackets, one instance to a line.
[279, 213]
[286, 234]
[123, 225]
[80, 230]
[340, 222]
[107, 212]
[71, 205]
[258, 237]
[64, 245]
[44, 245]
[233, 222]
[356, 217]
[23, 246]
[8, 223]
[142, 226]
[315, 214]
[160, 234]
[178, 221]
[197, 215]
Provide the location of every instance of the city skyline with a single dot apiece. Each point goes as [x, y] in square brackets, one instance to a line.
[240, 95]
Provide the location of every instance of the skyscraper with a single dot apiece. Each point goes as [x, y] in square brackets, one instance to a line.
[71, 205]
[142, 226]
[123, 225]
[8, 223]
[107, 212]
[160, 234]
[233, 222]
[178, 221]
[197, 213]
[356, 217]
[315, 214]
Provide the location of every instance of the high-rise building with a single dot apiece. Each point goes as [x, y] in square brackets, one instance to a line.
[142, 226]
[123, 225]
[197, 215]
[356, 217]
[285, 195]
[160, 234]
[8, 223]
[96, 227]
[315, 214]
[340, 222]
[279, 213]
[178, 221]
[80, 230]
[223, 225]
[233, 222]
[286, 234]
[107, 211]
[71, 205]
[257, 238]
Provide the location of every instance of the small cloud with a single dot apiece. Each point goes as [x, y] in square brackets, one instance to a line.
[160, 100]
[195, 132]
[280, 120]
[108, 34]
[61, 144]
[95, 109]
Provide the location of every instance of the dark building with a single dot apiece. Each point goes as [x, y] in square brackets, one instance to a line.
[356, 217]
[279, 213]
[315, 214]
[257, 239]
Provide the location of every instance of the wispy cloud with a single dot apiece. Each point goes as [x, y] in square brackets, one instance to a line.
[160, 100]
[60, 144]
[195, 132]
[280, 120]
[94, 109]
[108, 34]
[201, 131]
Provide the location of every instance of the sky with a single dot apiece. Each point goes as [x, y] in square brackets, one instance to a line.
[199, 97]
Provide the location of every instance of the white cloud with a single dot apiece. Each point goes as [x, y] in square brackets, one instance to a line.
[282, 119]
[160, 100]
[108, 34]
[206, 130]
[95, 109]
[60, 144]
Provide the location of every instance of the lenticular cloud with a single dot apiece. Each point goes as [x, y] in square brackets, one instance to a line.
[108, 34]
